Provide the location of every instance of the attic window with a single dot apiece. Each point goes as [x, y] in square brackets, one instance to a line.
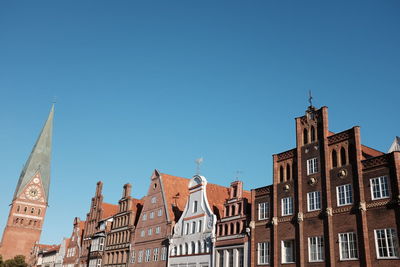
[154, 185]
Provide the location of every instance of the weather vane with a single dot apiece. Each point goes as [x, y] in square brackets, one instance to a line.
[310, 98]
[198, 161]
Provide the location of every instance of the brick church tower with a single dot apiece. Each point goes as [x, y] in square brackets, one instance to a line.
[28, 207]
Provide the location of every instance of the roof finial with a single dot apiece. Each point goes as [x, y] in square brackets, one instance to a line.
[198, 161]
[310, 98]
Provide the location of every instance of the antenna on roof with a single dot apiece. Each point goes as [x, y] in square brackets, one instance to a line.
[198, 161]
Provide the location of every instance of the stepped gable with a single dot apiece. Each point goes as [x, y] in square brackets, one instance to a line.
[176, 194]
[217, 196]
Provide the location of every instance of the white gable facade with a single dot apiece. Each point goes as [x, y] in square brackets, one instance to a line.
[194, 234]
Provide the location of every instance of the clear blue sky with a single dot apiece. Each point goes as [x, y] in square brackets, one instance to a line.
[156, 84]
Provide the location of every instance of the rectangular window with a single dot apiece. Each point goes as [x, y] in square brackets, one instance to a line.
[153, 200]
[195, 206]
[159, 212]
[344, 194]
[287, 206]
[312, 166]
[140, 257]
[101, 243]
[186, 228]
[263, 210]
[193, 227]
[164, 253]
[144, 217]
[379, 187]
[348, 246]
[142, 233]
[150, 231]
[221, 258]
[155, 254]
[386, 243]
[241, 257]
[99, 263]
[230, 257]
[133, 256]
[200, 226]
[316, 248]
[158, 229]
[147, 258]
[263, 253]
[314, 200]
[152, 215]
[287, 251]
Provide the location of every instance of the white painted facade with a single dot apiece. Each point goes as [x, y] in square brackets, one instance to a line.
[194, 234]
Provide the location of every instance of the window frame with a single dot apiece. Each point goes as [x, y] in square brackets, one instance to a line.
[316, 201]
[394, 243]
[289, 205]
[263, 253]
[345, 195]
[312, 166]
[318, 243]
[355, 241]
[263, 211]
[386, 190]
[284, 254]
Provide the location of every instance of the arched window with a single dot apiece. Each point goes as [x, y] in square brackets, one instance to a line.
[334, 158]
[195, 206]
[199, 247]
[193, 227]
[232, 230]
[39, 211]
[220, 230]
[238, 230]
[281, 174]
[18, 208]
[239, 208]
[343, 156]
[288, 172]
[32, 210]
[22, 221]
[25, 209]
[193, 248]
[227, 211]
[305, 136]
[233, 210]
[226, 229]
[17, 220]
[186, 248]
[175, 251]
[313, 136]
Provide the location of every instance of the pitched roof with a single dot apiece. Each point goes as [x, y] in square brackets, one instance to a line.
[217, 196]
[109, 210]
[176, 194]
[395, 145]
[39, 159]
[136, 207]
[368, 152]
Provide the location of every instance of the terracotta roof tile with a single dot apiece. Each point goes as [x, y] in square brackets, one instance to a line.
[368, 152]
[176, 194]
[217, 196]
[109, 210]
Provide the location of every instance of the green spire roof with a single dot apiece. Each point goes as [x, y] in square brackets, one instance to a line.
[39, 159]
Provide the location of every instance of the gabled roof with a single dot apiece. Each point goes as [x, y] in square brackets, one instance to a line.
[39, 159]
[217, 196]
[109, 210]
[176, 194]
[395, 145]
[368, 152]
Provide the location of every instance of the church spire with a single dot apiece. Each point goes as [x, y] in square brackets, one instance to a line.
[38, 162]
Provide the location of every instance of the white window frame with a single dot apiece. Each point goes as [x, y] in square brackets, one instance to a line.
[348, 245]
[263, 210]
[151, 216]
[382, 186]
[133, 256]
[158, 229]
[164, 253]
[263, 253]
[316, 249]
[159, 213]
[287, 206]
[150, 231]
[153, 200]
[312, 166]
[347, 194]
[390, 244]
[148, 254]
[140, 257]
[142, 233]
[155, 254]
[286, 257]
[144, 217]
[313, 200]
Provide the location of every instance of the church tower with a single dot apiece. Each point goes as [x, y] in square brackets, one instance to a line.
[29, 204]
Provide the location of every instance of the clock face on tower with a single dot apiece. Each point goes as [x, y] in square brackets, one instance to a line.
[33, 192]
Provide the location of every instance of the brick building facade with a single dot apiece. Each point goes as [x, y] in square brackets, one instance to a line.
[327, 201]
